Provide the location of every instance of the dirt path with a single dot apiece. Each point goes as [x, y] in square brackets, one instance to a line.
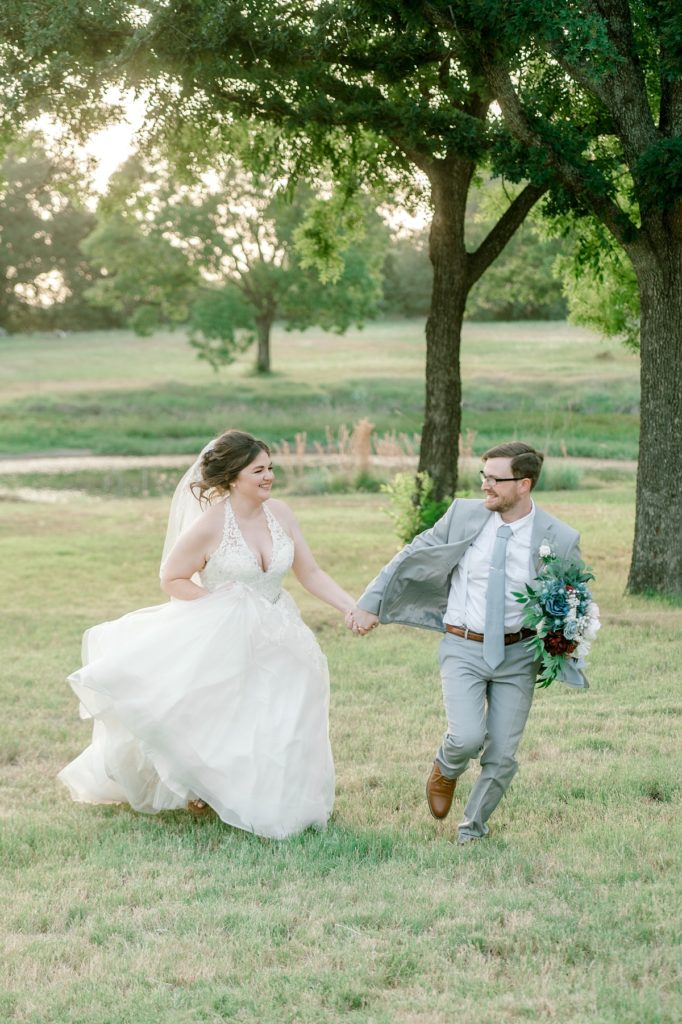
[35, 465]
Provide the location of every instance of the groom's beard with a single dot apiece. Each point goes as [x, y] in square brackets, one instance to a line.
[501, 502]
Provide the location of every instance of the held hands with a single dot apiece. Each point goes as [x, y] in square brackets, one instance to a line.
[361, 622]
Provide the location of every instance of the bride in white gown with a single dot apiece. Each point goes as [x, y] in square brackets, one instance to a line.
[219, 697]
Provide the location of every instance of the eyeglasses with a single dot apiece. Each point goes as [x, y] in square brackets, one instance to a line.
[493, 481]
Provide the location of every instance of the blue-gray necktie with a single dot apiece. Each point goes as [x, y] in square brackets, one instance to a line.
[493, 640]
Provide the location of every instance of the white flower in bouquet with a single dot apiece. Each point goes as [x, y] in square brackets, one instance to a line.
[592, 628]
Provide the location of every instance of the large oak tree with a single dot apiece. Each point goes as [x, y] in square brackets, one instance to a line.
[592, 91]
[379, 90]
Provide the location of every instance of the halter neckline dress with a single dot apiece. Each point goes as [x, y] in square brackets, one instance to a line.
[224, 698]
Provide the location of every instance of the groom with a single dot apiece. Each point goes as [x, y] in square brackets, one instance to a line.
[459, 578]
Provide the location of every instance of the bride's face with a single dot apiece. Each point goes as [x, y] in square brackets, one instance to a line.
[255, 480]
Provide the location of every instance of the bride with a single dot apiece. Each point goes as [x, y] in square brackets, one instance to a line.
[219, 697]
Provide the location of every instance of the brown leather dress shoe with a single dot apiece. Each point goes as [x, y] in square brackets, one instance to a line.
[439, 792]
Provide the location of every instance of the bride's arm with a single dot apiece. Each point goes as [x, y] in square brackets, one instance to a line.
[189, 555]
[307, 571]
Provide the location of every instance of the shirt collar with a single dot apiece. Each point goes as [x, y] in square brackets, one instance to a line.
[518, 524]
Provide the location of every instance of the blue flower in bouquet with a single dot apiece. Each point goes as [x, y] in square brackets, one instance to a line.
[556, 602]
[570, 629]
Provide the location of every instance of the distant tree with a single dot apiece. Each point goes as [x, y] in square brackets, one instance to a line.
[226, 255]
[43, 273]
[144, 278]
[523, 286]
[408, 275]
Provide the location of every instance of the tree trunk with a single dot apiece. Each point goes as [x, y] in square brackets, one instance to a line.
[263, 328]
[450, 182]
[657, 554]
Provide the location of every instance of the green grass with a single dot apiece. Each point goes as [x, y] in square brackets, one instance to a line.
[570, 912]
[559, 387]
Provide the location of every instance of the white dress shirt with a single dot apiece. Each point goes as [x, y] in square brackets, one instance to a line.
[466, 602]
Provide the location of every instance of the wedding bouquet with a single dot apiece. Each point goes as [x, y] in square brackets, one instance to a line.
[561, 611]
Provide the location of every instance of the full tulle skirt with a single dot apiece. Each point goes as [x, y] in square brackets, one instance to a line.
[224, 699]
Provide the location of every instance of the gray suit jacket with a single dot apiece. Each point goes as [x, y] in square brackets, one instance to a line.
[413, 588]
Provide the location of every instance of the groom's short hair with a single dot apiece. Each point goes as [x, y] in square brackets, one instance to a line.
[525, 461]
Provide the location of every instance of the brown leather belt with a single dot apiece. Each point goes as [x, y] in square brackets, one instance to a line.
[509, 638]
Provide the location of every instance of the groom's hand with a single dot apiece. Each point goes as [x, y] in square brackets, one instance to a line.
[363, 622]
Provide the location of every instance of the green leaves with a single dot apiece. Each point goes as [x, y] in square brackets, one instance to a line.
[147, 279]
[326, 231]
[658, 174]
[221, 324]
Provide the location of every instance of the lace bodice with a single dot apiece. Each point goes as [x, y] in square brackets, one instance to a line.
[234, 561]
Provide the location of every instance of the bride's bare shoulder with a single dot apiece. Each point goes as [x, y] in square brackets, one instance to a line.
[213, 517]
[281, 510]
[279, 507]
[215, 511]
[209, 523]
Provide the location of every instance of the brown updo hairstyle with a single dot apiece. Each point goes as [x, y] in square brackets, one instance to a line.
[229, 454]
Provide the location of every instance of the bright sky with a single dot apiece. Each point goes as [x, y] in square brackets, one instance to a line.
[109, 147]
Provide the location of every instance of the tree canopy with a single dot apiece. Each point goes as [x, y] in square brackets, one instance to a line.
[590, 96]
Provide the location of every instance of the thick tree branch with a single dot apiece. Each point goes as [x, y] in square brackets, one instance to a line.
[624, 92]
[621, 90]
[496, 239]
[571, 176]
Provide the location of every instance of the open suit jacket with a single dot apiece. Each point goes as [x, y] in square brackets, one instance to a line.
[413, 588]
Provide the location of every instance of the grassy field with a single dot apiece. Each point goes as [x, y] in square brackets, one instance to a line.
[569, 913]
[559, 387]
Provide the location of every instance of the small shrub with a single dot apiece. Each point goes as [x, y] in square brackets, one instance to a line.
[366, 481]
[412, 506]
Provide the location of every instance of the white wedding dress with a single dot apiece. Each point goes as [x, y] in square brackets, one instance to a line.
[224, 698]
